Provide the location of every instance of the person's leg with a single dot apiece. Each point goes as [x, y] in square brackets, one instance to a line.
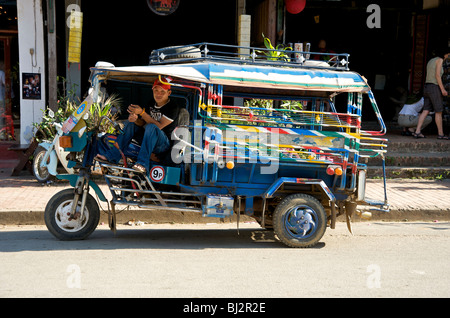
[123, 140]
[426, 122]
[130, 131]
[420, 122]
[408, 122]
[154, 141]
[437, 102]
[438, 120]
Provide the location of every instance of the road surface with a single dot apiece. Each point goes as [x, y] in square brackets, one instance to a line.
[381, 259]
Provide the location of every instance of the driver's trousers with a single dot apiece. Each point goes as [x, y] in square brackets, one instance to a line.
[150, 137]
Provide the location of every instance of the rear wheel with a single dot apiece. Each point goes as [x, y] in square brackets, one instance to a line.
[299, 220]
[65, 226]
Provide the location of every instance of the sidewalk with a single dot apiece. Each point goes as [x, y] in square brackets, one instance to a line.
[23, 201]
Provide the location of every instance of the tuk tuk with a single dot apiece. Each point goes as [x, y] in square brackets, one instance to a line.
[276, 139]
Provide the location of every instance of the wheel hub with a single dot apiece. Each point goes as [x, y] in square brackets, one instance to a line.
[68, 222]
[300, 221]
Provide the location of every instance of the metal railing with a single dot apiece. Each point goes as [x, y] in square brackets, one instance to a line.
[249, 55]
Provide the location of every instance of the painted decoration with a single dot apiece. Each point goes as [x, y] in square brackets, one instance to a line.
[163, 7]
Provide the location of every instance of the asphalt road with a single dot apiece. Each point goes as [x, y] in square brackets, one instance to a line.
[381, 259]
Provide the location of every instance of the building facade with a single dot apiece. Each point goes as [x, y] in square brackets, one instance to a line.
[389, 42]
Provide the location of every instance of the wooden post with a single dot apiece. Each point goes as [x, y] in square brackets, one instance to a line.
[264, 20]
[51, 53]
[272, 21]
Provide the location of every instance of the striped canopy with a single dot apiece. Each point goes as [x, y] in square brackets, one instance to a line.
[244, 75]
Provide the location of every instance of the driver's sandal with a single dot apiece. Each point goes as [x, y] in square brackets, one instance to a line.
[101, 158]
[140, 168]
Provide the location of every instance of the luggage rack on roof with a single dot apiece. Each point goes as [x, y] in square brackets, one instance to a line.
[248, 55]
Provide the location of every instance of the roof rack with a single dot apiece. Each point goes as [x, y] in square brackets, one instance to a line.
[202, 52]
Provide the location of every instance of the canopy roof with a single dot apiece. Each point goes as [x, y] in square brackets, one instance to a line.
[243, 75]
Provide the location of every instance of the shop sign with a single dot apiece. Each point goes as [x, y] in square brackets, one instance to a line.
[163, 7]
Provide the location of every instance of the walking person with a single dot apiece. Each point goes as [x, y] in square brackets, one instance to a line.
[433, 93]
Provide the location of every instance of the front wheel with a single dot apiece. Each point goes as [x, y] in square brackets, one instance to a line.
[62, 224]
[299, 220]
[41, 173]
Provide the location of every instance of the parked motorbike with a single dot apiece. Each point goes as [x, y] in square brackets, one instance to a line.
[48, 155]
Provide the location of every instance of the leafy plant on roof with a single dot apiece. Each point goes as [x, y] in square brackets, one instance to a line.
[277, 53]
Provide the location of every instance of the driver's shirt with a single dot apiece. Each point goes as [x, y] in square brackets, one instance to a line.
[170, 111]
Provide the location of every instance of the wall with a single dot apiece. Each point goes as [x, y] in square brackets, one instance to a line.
[31, 60]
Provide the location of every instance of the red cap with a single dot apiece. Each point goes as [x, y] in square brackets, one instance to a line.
[163, 85]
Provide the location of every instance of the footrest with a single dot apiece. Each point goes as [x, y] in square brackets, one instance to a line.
[382, 206]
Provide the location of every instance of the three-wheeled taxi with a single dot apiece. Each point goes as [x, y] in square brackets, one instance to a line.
[279, 140]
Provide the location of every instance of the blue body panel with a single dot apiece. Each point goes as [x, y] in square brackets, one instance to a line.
[72, 178]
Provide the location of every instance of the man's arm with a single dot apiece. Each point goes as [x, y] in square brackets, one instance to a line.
[147, 119]
[160, 124]
[439, 76]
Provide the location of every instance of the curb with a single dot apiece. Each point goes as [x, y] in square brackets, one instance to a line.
[146, 216]
[161, 217]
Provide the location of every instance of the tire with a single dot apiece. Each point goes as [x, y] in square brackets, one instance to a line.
[42, 175]
[299, 220]
[57, 220]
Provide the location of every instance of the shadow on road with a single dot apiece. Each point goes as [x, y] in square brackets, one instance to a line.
[142, 238]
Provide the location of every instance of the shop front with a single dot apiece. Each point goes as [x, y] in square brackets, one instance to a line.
[388, 41]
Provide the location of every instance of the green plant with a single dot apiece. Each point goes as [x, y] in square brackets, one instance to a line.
[292, 105]
[46, 128]
[104, 107]
[260, 103]
[67, 103]
[277, 53]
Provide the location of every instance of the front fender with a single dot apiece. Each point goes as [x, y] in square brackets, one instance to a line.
[72, 178]
[62, 157]
[45, 144]
[52, 163]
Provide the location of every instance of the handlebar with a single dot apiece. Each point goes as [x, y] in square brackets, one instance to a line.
[58, 127]
[113, 123]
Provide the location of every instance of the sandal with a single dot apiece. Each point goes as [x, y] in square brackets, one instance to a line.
[407, 133]
[442, 137]
[140, 168]
[419, 135]
[101, 158]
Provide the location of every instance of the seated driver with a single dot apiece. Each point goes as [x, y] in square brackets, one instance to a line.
[151, 126]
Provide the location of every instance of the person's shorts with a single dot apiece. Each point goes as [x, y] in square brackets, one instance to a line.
[432, 96]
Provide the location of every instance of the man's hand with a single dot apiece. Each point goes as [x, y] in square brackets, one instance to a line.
[134, 111]
[132, 117]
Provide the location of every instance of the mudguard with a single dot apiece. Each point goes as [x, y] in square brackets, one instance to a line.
[72, 178]
[62, 154]
[53, 159]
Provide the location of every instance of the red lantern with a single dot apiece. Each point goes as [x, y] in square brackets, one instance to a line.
[295, 6]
